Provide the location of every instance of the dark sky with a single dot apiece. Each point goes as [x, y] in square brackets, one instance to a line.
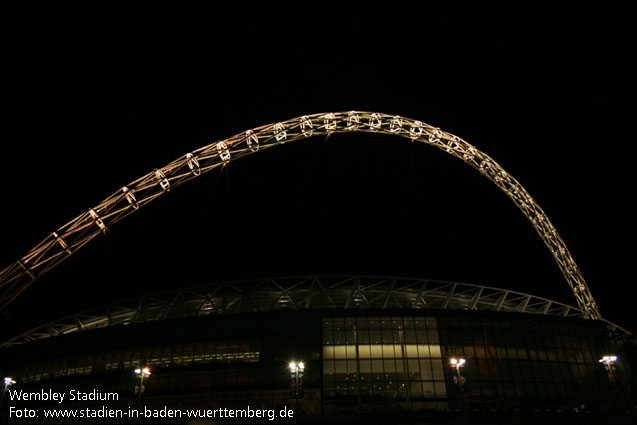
[97, 102]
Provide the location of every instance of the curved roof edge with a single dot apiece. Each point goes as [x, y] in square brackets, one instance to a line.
[305, 292]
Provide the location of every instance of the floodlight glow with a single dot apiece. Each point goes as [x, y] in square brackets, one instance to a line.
[292, 366]
[146, 371]
[130, 197]
[608, 359]
[306, 126]
[193, 164]
[375, 122]
[329, 120]
[435, 136]
[97, 219]
[8, 381]
[461, 362]
[454, 361]
[280, 133]
[353, 121]
[163, 181]
[416, 130]
[301, 366]
[223, 151]
[396, 124]
[469, 154]
[252, 140]
[138, 371]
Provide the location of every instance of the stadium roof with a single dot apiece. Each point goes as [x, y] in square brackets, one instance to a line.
[305, 292]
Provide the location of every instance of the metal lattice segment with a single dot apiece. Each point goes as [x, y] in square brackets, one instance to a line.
[303, 293]
[72, 236]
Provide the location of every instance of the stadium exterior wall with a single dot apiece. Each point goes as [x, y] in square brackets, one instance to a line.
[358, 363]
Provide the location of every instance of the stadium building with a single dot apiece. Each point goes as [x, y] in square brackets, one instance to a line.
[328, 347]
[370, 346]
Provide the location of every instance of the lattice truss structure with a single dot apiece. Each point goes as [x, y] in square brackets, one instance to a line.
[310, 293]
[66, 240]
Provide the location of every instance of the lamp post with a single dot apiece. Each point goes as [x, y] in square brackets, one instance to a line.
[459, 379]
[143, 373]
[608, 362]
[7, 383]
[297, 373]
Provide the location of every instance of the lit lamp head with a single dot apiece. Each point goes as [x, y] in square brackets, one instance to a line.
[608, 359]
[293, 366]
[457, 362]
[301, 366]
[145, 371]
[9, 381]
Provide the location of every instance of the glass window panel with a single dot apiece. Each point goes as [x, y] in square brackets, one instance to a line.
[362, 323]
[428, 388]
[328, 337]
[435, 351]
[415, 388]
[541, 355]
[328, 367]
[363, 336]
[502, 352]
[376, 351]
[413, 367]
[437, 368]
[377, 366]
[388, 351]
[340, 366]
[387, 336]
[433, 336]
[421, 336]
[390, 366]
[351, 366]
[328, 352]
[351, 351]
[339, 336]
[339, 352]
[551, 355]
[412, 351]
[364, 351]
[374, 336]
[410, 336]
[425, 369]
[365, 366]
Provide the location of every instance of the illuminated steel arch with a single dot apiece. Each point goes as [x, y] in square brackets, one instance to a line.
[72, 236]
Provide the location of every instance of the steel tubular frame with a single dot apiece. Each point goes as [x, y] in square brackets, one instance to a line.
[75, 234]
[306, 293]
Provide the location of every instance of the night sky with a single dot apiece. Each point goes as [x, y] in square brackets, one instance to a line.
[101, 101]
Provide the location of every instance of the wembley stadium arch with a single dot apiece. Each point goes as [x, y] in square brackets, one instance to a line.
[69, 238]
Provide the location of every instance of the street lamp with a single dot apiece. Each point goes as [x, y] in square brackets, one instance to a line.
[297, 373]
[7, 383]
[145, 372]
[608, 364]
[459, 379]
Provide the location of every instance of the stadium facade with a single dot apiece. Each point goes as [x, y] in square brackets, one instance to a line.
[371, 346]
